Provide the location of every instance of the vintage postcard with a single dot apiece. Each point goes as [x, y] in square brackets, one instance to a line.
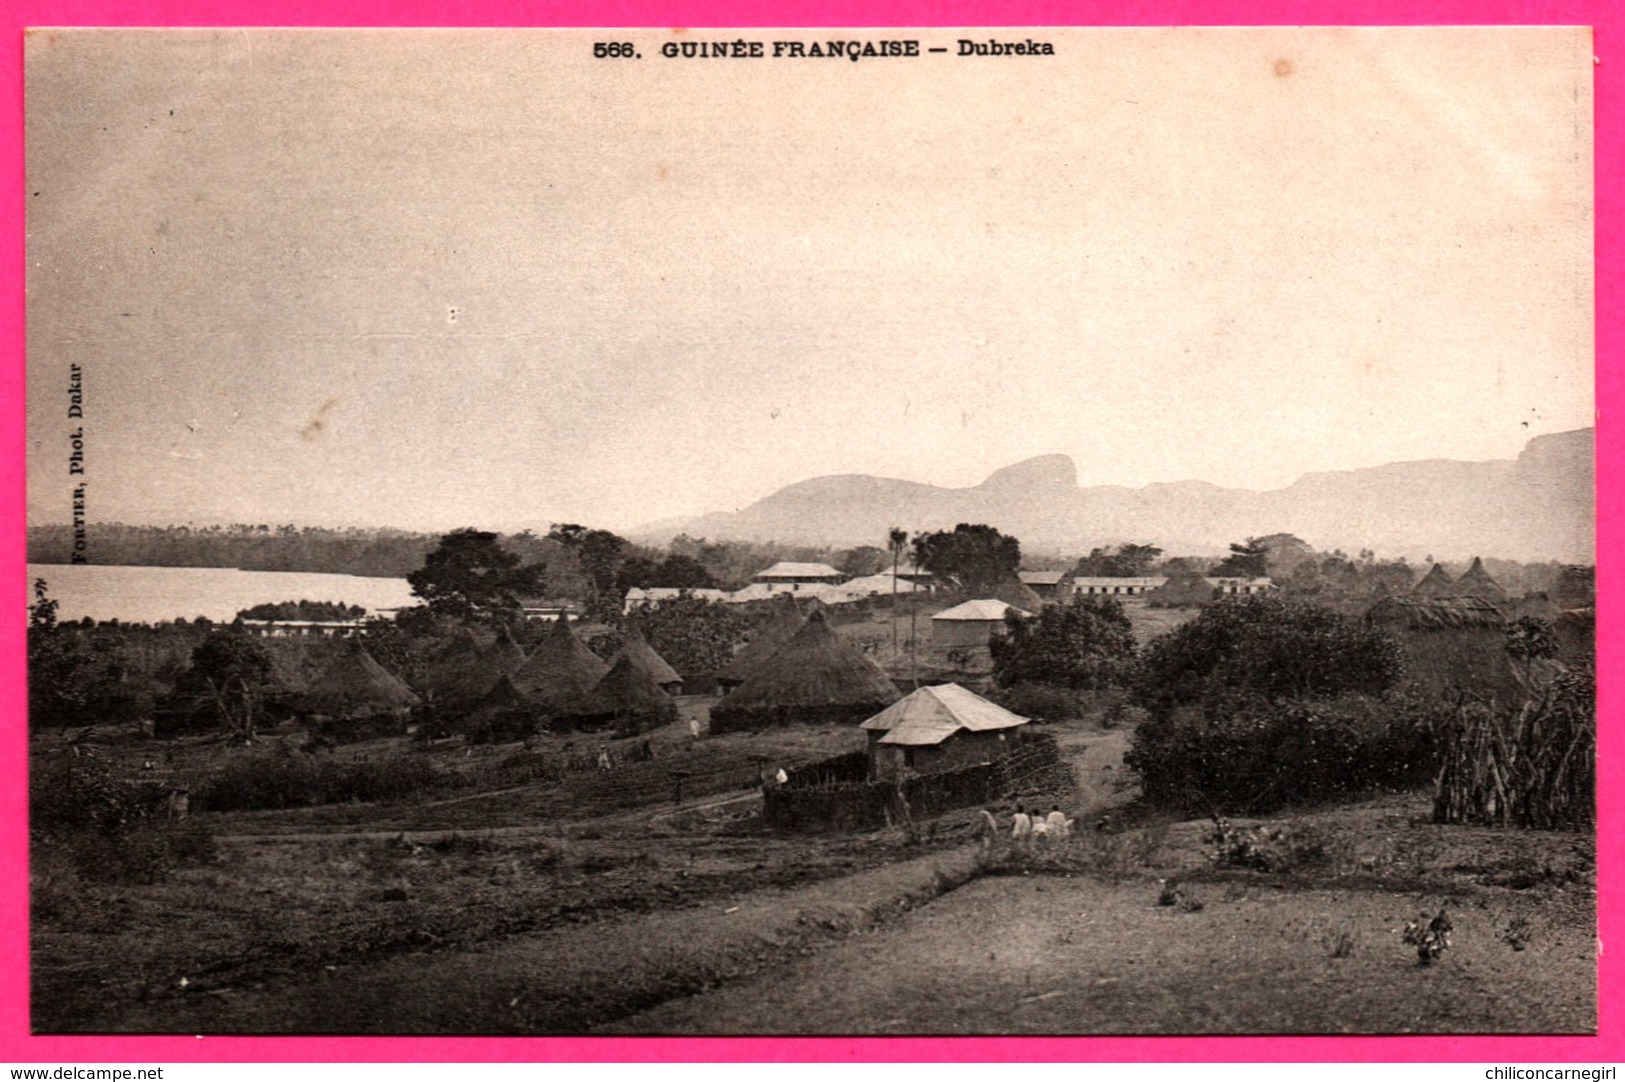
[822, 532]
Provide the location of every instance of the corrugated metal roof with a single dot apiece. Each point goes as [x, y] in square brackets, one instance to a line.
[981, 609]
[787, 570]
[932, 714]
[1043, 578]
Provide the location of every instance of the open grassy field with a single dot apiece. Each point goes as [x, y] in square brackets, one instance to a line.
[588, 900]
[1074, 941]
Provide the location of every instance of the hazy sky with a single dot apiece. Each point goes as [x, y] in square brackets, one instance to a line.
[434, 278]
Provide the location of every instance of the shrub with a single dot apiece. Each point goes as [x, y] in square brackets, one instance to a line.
[1253, 755]
[1041, 702]
[1266, 648]
[1265, 847]
[81, 793]
[285, 779]
[1086, 643]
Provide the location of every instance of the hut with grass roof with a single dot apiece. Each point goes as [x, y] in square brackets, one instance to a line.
[774, 633]
[505, 713]
[1436, 583]
[1017, 594]
[560, 670]
[815, 677]
[467, 670]
[1453, 646]
[938, 728]
[1476, 582]
[629, 699]
[635, 645]
[354, 685]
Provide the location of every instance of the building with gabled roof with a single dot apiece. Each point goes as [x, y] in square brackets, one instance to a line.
[936, 728]
[786, 571]
[1048, 585]
[971, 623]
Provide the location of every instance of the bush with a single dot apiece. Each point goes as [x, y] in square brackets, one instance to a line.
[1041, 702]
[81, 793]
[1266, 648]
[1086, 643]
[1253, 755]
[1265, 847]
[286, 779]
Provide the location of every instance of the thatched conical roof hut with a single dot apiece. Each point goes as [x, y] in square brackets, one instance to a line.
[1476, 582]
[467, 670]
[1452, 645]
[629, 698]
[1536, 605]
[1017, 593]
[560, 670]
[1436, 583]
[762, 645]
[355, 685]
[504, 713]
[636, 646]
[814, 677]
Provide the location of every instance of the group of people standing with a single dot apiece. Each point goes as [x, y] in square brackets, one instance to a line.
[1028, 829]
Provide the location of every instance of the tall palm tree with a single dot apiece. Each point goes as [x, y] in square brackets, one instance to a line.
[897, 538]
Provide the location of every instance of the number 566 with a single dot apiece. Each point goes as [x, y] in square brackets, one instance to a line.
[613, 49]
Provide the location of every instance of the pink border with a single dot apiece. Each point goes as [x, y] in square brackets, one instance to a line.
[16, 1045]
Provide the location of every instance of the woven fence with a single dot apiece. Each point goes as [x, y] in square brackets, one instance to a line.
[835, 794]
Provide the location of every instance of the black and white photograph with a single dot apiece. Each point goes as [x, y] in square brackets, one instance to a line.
[870, 531]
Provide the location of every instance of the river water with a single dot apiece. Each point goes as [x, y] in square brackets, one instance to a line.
[160, 594]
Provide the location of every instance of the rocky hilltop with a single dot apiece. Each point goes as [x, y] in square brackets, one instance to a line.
[1538, 506]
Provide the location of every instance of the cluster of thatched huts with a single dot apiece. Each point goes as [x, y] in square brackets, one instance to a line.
[1454, 632]
[501, 690]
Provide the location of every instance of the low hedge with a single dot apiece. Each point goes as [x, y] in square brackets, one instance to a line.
[1250, 756]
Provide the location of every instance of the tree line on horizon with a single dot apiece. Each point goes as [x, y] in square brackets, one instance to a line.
[596, 566]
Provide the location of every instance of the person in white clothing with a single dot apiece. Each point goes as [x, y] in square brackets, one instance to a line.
[987, 828]
[1021, 828]
[1057, 822]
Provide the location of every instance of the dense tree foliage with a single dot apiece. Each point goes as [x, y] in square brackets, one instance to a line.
[1086, 643]
[676, 572]
[600, 554]
[693, 635]
[862, 561]
[302, 610]
[1256, 756]
[975, 556]
[469, 575]
[228, 680]
[1247, 559]
[1126, 561]
[1265, 647]
[78, 675]
[379, 552]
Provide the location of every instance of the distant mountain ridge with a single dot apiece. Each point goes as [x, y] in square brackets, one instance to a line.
[1539, 506]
